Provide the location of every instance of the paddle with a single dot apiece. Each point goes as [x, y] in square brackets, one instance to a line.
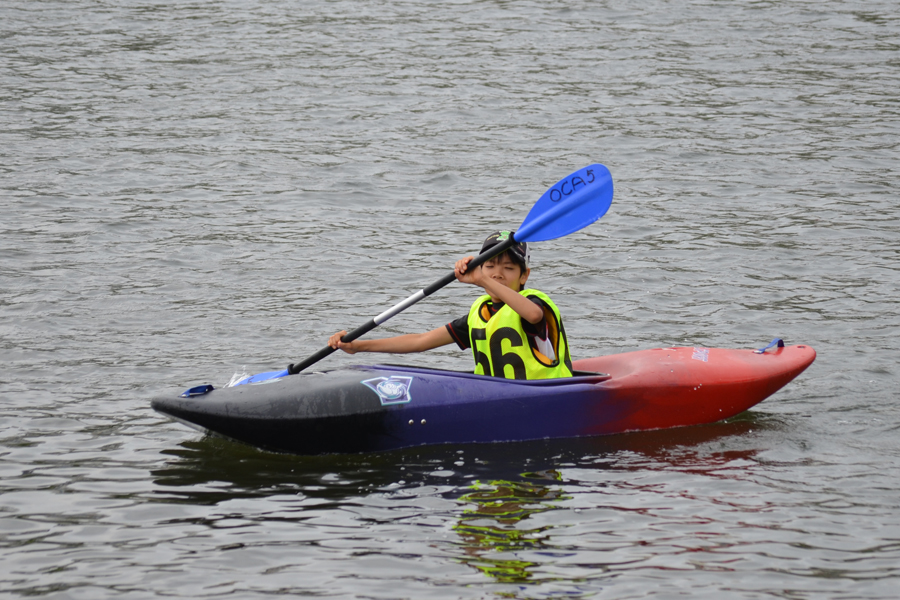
[572, 204]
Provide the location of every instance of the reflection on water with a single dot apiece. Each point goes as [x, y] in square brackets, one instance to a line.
[511, 514]
[212, 469]
[496, 526]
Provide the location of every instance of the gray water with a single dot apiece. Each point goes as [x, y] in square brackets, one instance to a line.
[193, 189]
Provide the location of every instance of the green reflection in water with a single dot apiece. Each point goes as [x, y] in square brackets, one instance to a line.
[493, 527]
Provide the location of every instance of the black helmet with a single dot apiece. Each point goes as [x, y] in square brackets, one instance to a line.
[519, 251]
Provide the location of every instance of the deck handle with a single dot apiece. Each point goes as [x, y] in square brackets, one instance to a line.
[197, 391]
[776, 342]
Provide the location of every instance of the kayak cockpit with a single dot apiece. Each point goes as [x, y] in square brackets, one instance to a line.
[579, 376]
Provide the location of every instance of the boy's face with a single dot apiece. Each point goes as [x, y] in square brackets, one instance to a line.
[506, 271]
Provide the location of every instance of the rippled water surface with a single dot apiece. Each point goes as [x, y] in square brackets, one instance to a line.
[191, 189]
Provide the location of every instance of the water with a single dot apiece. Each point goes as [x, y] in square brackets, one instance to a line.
[191, 190]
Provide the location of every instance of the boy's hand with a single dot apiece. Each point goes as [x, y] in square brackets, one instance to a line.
[336, 343]
[463, 274]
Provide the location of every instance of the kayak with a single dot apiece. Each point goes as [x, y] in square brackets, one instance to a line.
[385, 407]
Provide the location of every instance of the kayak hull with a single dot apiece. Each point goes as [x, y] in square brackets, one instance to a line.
[385, 407]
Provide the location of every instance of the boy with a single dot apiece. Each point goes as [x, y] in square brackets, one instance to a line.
[513, 333]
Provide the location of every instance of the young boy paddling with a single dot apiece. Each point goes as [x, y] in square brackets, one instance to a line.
[513, 333]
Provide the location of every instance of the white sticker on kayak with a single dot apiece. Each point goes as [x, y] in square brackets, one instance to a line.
[391, 390]
[701, 354]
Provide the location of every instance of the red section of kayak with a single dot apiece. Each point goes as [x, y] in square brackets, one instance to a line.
[674, 387]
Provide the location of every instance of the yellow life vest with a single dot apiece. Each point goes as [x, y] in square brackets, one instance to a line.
[502, 348]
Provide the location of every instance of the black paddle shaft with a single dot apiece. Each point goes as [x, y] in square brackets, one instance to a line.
[293, 369]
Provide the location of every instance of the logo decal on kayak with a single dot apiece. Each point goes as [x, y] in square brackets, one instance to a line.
[701, 354]
[391, 390]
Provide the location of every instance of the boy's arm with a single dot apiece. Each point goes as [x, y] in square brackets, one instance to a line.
[401, 344]
[524, 307]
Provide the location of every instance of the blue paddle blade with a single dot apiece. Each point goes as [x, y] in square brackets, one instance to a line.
[572, 204]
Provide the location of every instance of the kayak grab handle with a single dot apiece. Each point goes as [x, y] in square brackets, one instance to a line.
[776, 342]
[197, 391]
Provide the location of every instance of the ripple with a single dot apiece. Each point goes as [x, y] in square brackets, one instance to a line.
[195, 189]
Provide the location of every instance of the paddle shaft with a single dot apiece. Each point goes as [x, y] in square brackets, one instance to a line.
[293, 369]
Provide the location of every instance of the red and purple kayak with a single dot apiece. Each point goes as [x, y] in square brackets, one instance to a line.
[386, 407]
